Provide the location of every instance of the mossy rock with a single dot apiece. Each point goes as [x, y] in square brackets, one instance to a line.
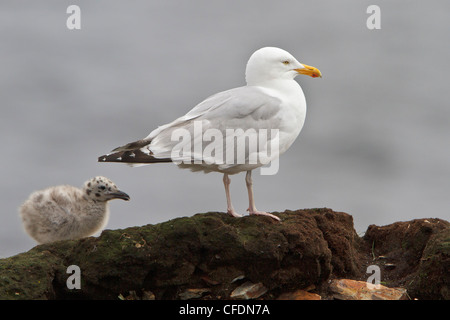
[433, 281]
[210, 251]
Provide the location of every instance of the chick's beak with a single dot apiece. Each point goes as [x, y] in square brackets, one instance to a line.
[309, 71]
[119, 195]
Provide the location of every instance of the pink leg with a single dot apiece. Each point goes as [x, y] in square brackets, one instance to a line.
[230, 209]
[252, 208]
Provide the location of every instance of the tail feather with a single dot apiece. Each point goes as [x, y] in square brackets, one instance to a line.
[131, 156]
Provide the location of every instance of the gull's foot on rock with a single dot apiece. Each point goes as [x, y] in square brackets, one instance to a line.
[234, 213]
[262, 213]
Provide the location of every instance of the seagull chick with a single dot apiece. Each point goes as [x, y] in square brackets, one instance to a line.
[272, 101]
[66, 212]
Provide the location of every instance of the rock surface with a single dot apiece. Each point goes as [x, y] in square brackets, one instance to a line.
[345, 289]
[415, 255]
[248, 291]
[211, 255]
[299, 295]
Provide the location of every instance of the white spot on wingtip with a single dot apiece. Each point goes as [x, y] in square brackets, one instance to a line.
[103, 159]
[132, 155]
[119, 158]
[146, 150]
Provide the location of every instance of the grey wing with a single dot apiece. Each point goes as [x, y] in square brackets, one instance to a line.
[237, 109]
[244, 110]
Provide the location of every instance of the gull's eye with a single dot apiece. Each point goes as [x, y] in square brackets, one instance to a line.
[286, 62]
[102, 187]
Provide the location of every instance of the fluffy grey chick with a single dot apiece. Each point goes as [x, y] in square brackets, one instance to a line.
[66, 212]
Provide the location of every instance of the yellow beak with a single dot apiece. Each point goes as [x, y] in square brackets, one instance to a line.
[309, 71]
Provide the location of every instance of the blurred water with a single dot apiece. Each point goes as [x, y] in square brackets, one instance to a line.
[376, 139]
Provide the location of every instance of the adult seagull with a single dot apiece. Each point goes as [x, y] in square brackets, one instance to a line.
[269, 113]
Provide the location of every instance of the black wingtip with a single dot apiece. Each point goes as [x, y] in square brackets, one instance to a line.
[135, 156]
[111, 157]
[101, 158]
[132, 146]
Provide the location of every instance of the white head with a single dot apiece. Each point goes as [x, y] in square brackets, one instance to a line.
[272, 63]
[102, 189]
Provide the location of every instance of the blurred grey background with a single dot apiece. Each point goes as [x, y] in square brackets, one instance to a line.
[375, 143]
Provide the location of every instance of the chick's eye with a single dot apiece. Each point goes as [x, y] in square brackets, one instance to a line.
[102, 187]
[285, 62]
